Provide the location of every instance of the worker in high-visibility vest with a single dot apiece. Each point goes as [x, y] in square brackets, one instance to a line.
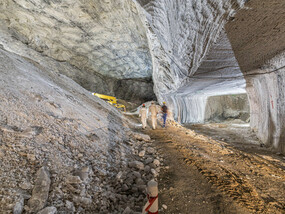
[143, 115]
[153, 111]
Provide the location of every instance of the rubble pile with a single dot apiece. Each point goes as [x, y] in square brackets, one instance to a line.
[63, 150]
[79, 189]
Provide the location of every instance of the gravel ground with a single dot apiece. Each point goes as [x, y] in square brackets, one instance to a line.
[204, 175]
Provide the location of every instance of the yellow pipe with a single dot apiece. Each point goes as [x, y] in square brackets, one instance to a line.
[110, 99]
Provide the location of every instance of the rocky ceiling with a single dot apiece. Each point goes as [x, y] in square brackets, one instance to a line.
[118, 45]
[183, 34]
[103, 38]
[257, 33]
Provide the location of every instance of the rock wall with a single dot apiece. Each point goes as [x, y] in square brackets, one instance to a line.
[233, 106]
[64, 150]
[201, 102]
[183, 33]
[266, 95]
[180, 36]
[110, 42]
[257, 35]
[46, 119]
[105, 40]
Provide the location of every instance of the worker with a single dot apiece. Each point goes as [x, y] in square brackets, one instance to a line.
[153, 112]
[143, 115]
[164, 110]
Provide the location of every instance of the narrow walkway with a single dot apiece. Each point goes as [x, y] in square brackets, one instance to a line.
[207, 176]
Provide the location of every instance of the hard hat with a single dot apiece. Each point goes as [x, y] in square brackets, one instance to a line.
[143, 105]
[164, 102]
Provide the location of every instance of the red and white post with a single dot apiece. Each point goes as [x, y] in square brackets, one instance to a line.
[151, 206]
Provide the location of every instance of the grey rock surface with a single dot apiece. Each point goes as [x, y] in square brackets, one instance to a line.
[118, 47]
[127, 211]
[177, 49]
[234, 106]
[40, 191]
[183, 33]
[49, 120]
[259, 47]
[141, 137]
[217, 77]
[137, 164]
[106, 37]
[106, 41]
[19, 206]
[48, 210]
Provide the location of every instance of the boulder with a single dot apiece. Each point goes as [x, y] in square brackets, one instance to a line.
[137, 164]
[141, 137]
[127, 211]
[142, 153]
[48, 210]
[40, 191]
[156, 162]
[19, 206]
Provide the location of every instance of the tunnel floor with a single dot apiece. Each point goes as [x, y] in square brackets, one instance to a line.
[233, 132]
[226, 175]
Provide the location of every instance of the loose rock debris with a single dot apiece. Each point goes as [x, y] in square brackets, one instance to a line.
[208, 176]
[75, 191]
[64, 150]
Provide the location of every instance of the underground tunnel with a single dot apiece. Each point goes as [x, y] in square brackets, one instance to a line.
[217, 64]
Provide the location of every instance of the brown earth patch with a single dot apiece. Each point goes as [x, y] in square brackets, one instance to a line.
[208, 176]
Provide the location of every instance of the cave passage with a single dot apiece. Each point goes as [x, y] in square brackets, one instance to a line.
[217, 90]
[219, 66]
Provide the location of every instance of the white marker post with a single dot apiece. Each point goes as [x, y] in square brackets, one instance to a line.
[151, 206]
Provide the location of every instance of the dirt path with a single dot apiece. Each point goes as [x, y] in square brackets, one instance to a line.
[208, 176]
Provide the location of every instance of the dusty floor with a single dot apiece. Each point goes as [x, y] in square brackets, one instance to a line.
[229, 175]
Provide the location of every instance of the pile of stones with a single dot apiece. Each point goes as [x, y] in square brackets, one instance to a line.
[121, 188]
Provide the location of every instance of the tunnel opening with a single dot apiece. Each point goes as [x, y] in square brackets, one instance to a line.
[216, 92]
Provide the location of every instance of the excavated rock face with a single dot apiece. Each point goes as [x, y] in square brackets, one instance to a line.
[183, 32]
[105, 39]
[257, 35]
[186, 39]
[120, 47]
[110, 42]
[186, 30]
